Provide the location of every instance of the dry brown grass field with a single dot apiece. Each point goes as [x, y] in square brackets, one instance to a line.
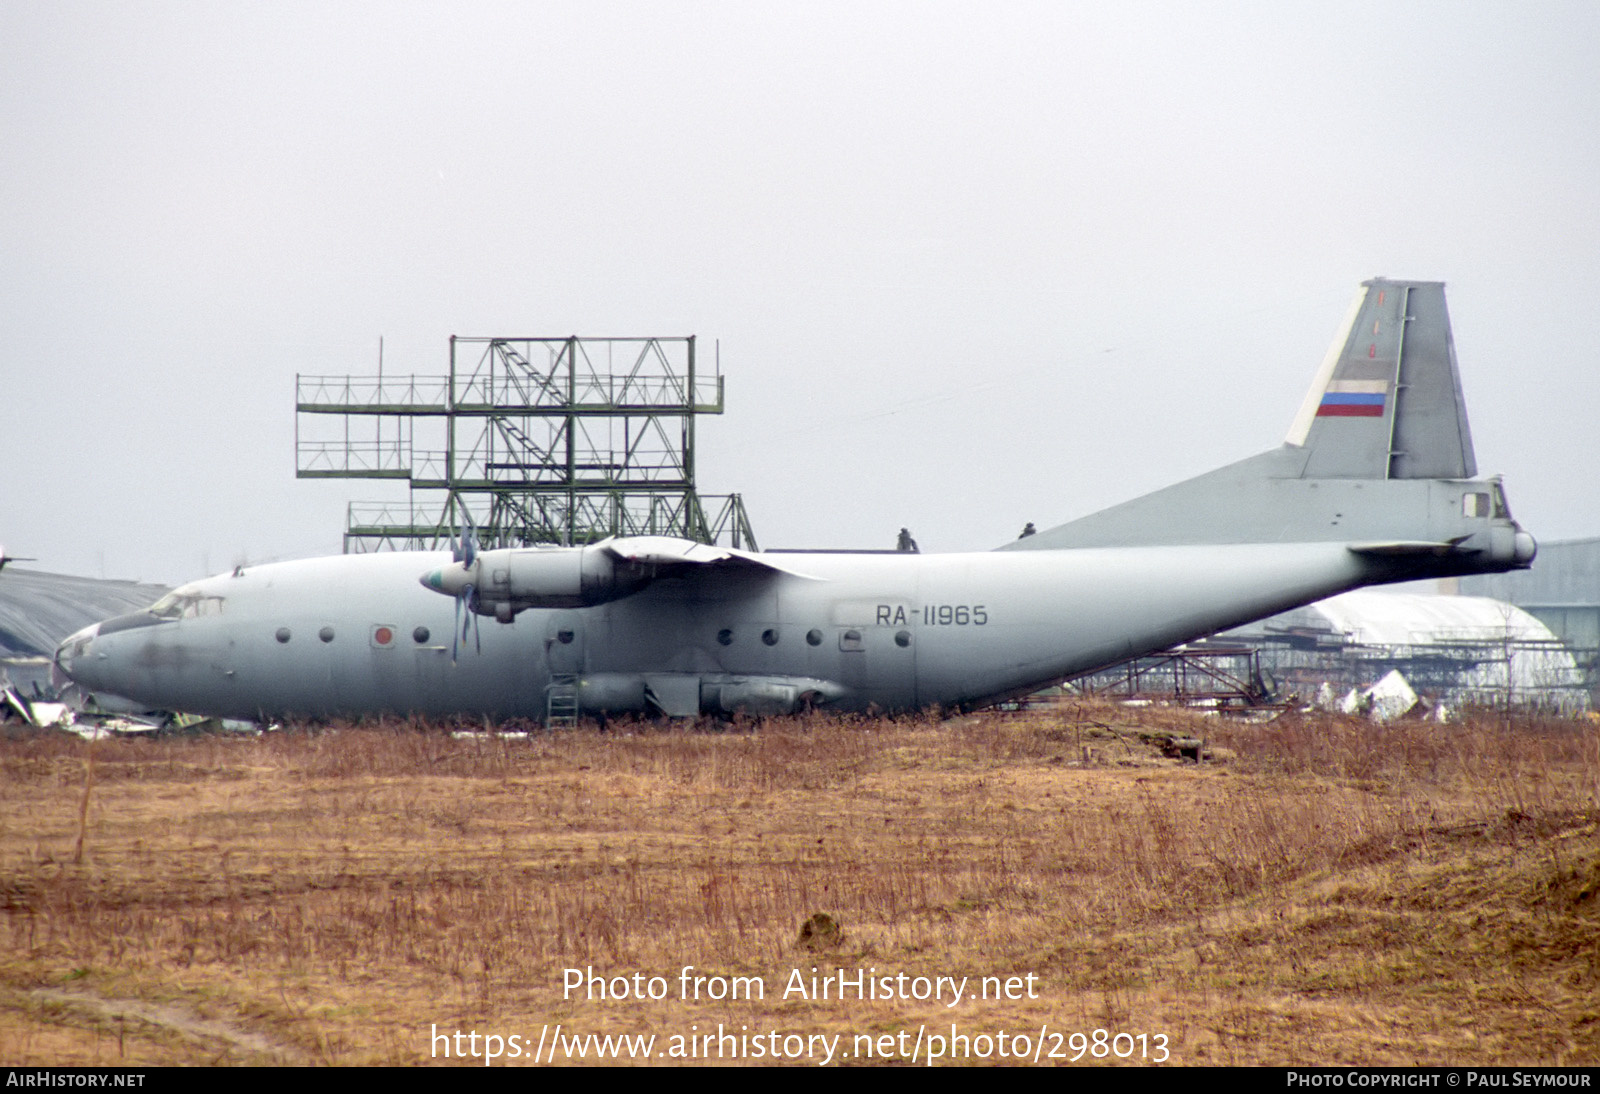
[1325, 892]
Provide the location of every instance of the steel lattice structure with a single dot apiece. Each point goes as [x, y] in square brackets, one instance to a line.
[534, 440]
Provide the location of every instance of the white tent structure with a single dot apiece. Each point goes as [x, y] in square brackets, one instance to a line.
[1457, 649]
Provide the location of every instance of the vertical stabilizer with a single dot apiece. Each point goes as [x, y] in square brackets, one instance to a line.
[1379, 456]
[1390, 405]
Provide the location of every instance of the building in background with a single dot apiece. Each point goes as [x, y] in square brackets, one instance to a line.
[1458, 650]
[1526, 638]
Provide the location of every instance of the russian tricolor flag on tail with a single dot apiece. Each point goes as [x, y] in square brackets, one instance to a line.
[1353, 399]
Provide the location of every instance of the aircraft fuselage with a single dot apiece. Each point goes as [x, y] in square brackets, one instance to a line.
[356, 634]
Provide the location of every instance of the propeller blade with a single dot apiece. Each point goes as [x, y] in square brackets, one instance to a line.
[463, 548]
[454, 639]
[470, 595]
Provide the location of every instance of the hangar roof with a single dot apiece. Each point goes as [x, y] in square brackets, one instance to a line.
[38, 610]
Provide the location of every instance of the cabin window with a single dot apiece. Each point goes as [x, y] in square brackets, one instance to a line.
[1474, 505]
[770, 636]
[814, 638]
[283, 634]
[725, 637]
[565, 637]
[326, 634]
[902, 639]
[850, 641]
[420, 635]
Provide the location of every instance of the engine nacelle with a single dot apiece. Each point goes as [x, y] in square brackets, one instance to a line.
[512, 579]
[507, 580]
[518, 578]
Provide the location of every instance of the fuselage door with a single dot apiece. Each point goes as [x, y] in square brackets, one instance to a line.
[563, 643]
[876, 653]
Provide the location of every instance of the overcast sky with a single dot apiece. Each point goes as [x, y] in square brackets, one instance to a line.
[970, 265]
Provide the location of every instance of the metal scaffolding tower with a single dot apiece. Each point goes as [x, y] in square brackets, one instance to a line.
[538, 440]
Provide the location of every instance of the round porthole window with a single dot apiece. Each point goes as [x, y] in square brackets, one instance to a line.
[283, 634]
[565, 637]
[814, 638]
[770, 637]
[326, 634]
[420, 635]
[902, 639]
[725, 637]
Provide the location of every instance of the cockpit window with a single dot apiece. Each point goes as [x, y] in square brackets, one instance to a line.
[167, 607]
[186, 603]
[1502, 511]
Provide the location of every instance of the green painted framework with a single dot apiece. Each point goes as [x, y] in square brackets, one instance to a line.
[537, 440]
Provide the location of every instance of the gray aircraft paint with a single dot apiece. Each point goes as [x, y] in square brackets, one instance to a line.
[676, 628]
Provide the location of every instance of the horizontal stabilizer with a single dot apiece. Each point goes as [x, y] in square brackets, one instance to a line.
[1403, 547]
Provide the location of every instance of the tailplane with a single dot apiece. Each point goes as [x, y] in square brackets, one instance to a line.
[1380, 457]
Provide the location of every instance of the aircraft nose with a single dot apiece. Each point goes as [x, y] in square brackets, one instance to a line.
[75, 646]
[61, 668]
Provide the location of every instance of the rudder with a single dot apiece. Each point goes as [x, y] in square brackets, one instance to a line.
[1387, 402]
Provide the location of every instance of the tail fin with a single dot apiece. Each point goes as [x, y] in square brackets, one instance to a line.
[1386, 403]
[1379, 457]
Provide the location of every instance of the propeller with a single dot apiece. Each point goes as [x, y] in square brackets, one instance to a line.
[465, 551]
[469, 595]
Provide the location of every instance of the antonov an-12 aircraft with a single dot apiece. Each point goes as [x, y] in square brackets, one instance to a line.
[1375, 483]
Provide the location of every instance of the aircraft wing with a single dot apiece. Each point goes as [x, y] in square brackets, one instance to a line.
[507, 580]
[671, 551]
